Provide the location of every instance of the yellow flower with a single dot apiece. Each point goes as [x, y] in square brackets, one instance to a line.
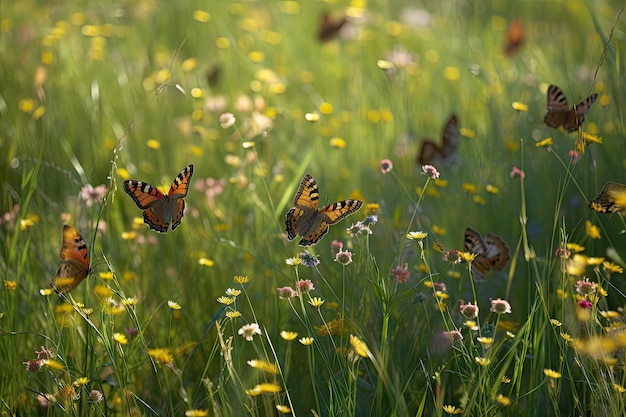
[288, 336]
[264, 388]
[293, 261]
[10, 285]
[283, 409]
[591, 138]
[555, 322]
[120, 338]
[161, 355]
[196, 413]
[450, 409]
[567, 337]
[233, 314]
[611, 267]
[575, 247]
[551, 373]
[439, 230]
[468, 187]
[503, 400]
[264, 366]
[173, 305]
[545, 142]
[240, 279]
[592, 230]
[416, 235]
[51, 363]
[206, 262]
[316, 302]
[485, 340]
[467, 256]
[619, 388]
[130, 301]
[359, 346]
[306, 341]
[81, 381]
[519, 106]
[482, 361]
[225, 300]
[593, 260]
[492, 189]
[233, 292]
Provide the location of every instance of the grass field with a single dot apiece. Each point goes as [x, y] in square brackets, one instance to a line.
[224, 316]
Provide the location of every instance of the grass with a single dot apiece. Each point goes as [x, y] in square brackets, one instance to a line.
[95, 93]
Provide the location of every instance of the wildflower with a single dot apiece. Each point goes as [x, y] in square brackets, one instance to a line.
[227, 120]
[283, 408]
[519, 106]
[196, 413]
[430, 171]
[308, 259]
[240, 279]
[551, 374]
[264, 366]
[482, 361]
[372, 208]
[92, 195]
[545, 142]
[34, 365]
[120, 338]
[575, 247]
[344, 257]
[305, 286]
[225, 300]
[359, 227]
[286, 292]
[450, 409]
[592, 230]
[359, 346]
[469, 310]
[95, 396]
[586, 287]
[370, 220]
[10, 285]
[455, 335]
[306, 341]
[336, 247]
[562, 253]
[468, 187]
[517, 172]
[233, 314]
[500, 306]
[288, 336]
[293, 261]
[45, 353]
[206, 262]
[485, 340]
[264, 388]
[506, 380]
[567, 337]
[619, 388]
[249, 330]
[161, 355]
[467, 256]
[503, 400]
[585, 304]
[611, 267]
[334, 327]
[555, 322]
[573, 156]
[233, 292]
[316, 302]
[386, 166]
[173, 305]
[400, 273]
[416, 235]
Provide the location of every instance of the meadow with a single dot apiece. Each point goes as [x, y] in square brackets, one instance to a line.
[384, 315]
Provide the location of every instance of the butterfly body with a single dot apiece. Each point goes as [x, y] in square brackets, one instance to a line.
[493, 253]
[307, 221]
[161, 210]
[74, 267]
[430, 152]
[560, 114]
[612, 199]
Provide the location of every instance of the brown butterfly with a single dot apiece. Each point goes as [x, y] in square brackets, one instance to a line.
[75, 266]
[307, 221]
[430, 152]
[493, 253]
[329, 28]
[612, 199]
[559, 112]
[514, 37]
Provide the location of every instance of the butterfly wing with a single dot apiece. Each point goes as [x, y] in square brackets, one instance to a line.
[181, 183]
[450, 138]
[317, 226]
[143, 194]
[558, 108]
[514, 37]
[474, 244]
[306, 202]
[576, 115]
[498, 253]
[612, 199]
[429, 152]
[74, 267]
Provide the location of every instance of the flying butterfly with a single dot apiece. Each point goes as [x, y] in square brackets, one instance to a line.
[559, 112]
[74, 267]
[430, 152]
[493, 253]
[307, 221]
[612, 199]
[514, 37]
[160, 210]
[329, 28]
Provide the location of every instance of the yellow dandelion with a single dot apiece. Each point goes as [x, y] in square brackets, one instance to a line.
[468, 187]
[161, 355]
[416, 235]
[206, 262]
[316, 302]
[311, 117]
[173, 305]
[506, 380]
[46, 292]
[264, 366]
[337, 143]
[467, 256]
[482, 361]
[567, 337]
[10, 285]
[441, 231]
[225, 300]
[492, 189]
[326, 108]
[293, 261]
[592, 230]
[372, 208]
[240, 279]
[451, 73]
[575, 247]
[556, 323]
[130, 301]
[201, 16]
[479, 200]
[81, 381]
[450, 409]
[505, 401]
[384, 64]
[552, 373]
[129, 235]
[53, 364]
[102, 291]
[233, 292]
[306, 341]
[288, 335]
[359, 346]
[467, 133]
[196, 413]
[545, 142]
[283, 408]
[591, 138]
[440, 306]
[120, 338]
[453, 274]
[611, 267]
[485, 340]
[593, 260]
[619, 388]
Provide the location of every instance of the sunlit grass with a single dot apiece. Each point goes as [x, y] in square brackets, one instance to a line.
[224, 315]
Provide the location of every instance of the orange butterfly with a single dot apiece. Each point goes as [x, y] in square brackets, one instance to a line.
[493, 253]
[559, 112]
[328, 28]
[305, 220]
[161, 210]
[612, 199]
[514, 37]
[430, 152]
[75, 266]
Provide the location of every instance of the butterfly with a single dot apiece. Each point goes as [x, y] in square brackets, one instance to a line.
[430, 151]
[305, 220]
[559, 113]
[75, 266]
[514, 37]
[493, 253]
[161, 210]
[612, 199]
[328, 28]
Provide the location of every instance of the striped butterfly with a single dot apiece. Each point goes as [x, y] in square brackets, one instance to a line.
[74, 267]
[493, 253]
[612, 199]
[559, 112]
[307, 221]
[430, 152]
[160, 210]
